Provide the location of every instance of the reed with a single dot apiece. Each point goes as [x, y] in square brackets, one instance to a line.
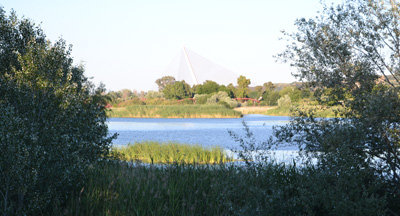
[174, 111]
[115, 188]
[168, 153]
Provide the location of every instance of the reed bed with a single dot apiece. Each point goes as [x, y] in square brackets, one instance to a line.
[318, 110]
[168, 153]
[174, 111]
[115, 188]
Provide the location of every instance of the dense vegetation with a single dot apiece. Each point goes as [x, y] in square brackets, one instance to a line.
[53, 134]
[52, 121]
[174, 111]
[168, 153]
[350, 56]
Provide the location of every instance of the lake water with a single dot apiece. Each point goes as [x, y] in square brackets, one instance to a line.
[205, 132]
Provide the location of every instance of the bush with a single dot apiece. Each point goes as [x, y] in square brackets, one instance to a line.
[284, 101]
[201, 98]
[52, 121]
[222, 97]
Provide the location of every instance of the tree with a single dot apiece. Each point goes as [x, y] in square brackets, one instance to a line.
[52, 120]
[207, 87]
[350, 55]
[177, 90]
[126, 94]
[269, 86]
[243, 87]
[164, 81]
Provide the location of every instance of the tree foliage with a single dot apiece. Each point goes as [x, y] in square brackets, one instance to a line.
[243, 87]
[207, 87]
[177, 90]
[350, 55]
[164, 81]
[52, 120]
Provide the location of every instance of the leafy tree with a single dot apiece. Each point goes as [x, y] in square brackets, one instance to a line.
[231, 90]
[269, 86]
[177, 90]
[52, 120]
[352, 50]
[243, 87]
[164, 81]
[207, 87]
[271, 97]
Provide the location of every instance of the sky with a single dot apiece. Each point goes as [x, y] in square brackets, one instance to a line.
[130, 43]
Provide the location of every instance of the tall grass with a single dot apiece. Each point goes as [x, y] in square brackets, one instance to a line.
[155, 152]
[319, 110]
[120, 189]
[174, 111]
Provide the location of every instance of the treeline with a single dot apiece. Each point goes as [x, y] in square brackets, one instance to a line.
[170, 91]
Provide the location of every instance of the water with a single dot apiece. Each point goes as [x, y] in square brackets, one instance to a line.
[205, 132]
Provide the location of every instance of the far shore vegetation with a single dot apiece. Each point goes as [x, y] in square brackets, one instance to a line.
[176, 99]
[174, 111]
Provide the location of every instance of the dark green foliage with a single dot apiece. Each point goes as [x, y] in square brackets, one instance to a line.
[177, 90]
[270, 189]
[52, 120]
[346, 54]
[231, 90]
[207, 87]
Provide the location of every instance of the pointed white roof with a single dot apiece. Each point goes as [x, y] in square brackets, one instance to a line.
[195, 69]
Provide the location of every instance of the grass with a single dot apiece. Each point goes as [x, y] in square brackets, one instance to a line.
[319, 111]
[120, 189]
[168, 153]
[253, 109]
[174, 111]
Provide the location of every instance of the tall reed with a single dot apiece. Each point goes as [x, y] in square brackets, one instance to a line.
[155, 152]
[174, 111]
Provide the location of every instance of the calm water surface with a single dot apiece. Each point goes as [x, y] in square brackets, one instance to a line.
[205, 132]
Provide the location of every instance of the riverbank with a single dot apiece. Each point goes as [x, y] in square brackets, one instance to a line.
[173, 111]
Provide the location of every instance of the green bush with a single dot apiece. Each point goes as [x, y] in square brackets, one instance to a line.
[284, 101]
[222, 97]
[52, 121]
[201, 98]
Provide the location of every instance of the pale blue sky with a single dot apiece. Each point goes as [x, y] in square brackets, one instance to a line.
[129, 44]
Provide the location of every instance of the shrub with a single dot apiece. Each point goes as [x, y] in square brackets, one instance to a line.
[52, 121]
[222, 97]
[201, 98]
[284, 101]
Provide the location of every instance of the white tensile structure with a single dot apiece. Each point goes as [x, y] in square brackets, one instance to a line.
[195, 69]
